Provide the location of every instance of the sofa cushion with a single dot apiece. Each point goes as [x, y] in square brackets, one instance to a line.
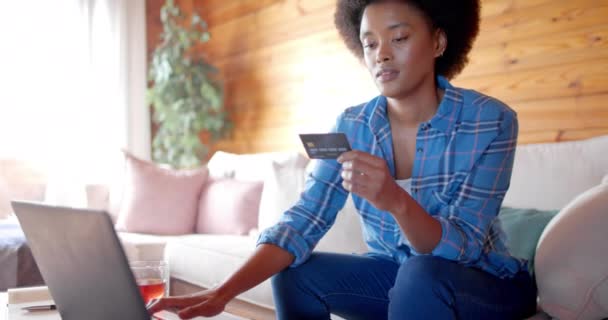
[560, 171]
[523, 228]
[206, 260]
[571, 260]
[159, 200]
[229, 206]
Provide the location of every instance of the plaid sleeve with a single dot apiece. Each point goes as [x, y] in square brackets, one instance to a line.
[466, 221]
[302, 226]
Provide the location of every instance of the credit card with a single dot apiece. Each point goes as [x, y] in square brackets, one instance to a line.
[325, 145]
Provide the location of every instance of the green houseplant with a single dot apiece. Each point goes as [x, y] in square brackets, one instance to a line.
[186, 96]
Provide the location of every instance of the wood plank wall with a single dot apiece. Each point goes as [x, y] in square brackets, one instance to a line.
[286, 71]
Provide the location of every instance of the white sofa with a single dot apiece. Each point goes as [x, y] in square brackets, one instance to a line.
[545, 176]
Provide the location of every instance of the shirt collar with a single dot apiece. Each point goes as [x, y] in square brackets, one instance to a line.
[444, 119]
[449, 108]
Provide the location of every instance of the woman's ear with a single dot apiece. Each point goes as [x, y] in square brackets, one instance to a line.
[441, 42]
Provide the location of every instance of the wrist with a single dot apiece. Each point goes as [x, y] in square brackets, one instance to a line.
[399, 206]
[226, 292]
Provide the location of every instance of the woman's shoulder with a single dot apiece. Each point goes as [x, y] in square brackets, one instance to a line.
[477, 106]
[364, 110]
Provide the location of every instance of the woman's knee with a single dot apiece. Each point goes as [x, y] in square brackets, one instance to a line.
[296, 294]
[422, 290]
[299, 277]
[419, 277]
[425, 267]
[285, 280]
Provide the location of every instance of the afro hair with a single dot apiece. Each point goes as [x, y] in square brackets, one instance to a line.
[459, 19]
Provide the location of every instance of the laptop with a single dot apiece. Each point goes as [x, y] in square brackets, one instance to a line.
[82, 262]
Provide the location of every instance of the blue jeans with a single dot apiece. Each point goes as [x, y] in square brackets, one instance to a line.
[423, 287]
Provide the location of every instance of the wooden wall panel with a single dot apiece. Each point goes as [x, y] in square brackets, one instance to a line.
[286, 70]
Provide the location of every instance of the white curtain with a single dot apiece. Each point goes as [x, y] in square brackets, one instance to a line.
[72, 87]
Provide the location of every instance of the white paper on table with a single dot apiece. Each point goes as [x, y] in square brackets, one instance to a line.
[31, 294]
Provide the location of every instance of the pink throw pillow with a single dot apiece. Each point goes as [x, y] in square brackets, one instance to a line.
[159, 200]
[229, 206]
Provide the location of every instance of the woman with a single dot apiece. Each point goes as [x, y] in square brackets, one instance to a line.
[431, 167]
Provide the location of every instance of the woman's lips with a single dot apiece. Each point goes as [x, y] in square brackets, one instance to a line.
[387, 75]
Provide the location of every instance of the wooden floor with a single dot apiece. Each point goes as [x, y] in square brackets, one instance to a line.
[237, 307]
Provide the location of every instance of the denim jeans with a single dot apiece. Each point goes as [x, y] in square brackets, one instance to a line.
[423, 287]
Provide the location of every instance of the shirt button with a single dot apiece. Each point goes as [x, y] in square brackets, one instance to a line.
[419, 150]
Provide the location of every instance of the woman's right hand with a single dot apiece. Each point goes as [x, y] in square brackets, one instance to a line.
[266, 261]
[206, 303]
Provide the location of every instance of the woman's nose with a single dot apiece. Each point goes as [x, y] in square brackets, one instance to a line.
[384, 54]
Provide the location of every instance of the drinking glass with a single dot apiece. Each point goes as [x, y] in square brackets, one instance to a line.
[152, 278]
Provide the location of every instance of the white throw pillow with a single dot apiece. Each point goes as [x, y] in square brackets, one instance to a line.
[107, 194]
[283, 185]
[571, 261]
[346, 235]
[282, 189]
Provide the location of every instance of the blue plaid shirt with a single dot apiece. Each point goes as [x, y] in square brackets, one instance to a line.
[462, 169]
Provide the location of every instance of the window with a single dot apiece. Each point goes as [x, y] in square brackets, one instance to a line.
[72, 86]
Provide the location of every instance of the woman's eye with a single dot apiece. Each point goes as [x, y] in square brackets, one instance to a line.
[400, 39]
[369, 45]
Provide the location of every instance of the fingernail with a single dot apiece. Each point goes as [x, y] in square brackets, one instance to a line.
[339, 159]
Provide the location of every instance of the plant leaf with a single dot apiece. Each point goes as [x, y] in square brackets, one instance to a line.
[184, 93]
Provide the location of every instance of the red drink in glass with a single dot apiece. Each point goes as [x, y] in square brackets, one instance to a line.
[152, 278]
[151, 289]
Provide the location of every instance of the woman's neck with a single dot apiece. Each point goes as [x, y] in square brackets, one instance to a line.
[419, 105]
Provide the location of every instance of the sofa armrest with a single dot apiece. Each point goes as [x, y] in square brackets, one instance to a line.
[139, 246]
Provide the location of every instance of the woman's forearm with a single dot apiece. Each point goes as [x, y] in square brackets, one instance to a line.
[422, 230]
[266, 261]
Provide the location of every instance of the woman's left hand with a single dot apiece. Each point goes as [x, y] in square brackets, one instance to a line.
[369, 177]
